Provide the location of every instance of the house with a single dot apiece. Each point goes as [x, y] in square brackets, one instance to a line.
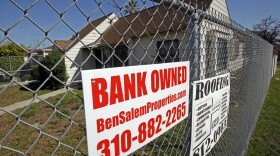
[154, 35]
[276, 54]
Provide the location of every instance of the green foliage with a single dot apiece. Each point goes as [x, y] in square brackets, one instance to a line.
[59, 71]
[11, 49]
[11, 56]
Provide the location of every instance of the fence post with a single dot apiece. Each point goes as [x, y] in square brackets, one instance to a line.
[194, 71]
[10, 63]
[194, 60]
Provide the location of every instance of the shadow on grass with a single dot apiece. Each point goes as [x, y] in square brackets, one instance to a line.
[32, 86]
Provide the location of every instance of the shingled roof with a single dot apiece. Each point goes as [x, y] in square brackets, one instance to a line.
[146, 22]
[63, 44]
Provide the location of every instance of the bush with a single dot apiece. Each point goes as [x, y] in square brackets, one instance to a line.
[35, 73]
[27, 77]
[59, 72]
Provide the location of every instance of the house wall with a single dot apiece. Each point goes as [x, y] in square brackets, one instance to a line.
[220, 6]
[217, 31]
[145, 50]
[75, 54]
[274, 64]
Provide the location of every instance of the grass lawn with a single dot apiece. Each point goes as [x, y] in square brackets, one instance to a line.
[17, 93]
[266, 137]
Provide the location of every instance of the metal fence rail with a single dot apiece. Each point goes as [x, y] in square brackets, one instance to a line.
[116, 34]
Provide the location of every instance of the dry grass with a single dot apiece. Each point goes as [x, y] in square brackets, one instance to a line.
[49, 122]
[53, 130]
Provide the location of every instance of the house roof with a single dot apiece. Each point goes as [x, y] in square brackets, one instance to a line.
[63, 44]
[149, 21]
[49, 47]
[157, 19]
[200, 4]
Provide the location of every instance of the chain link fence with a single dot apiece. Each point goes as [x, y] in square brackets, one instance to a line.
[117, 34]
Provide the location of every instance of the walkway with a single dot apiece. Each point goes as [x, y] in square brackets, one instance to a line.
[25, 103]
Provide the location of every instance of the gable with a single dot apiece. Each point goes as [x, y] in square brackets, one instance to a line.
[220, 6]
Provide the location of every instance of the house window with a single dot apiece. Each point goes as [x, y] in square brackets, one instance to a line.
[216, 55]
[121, 52]
[222, 50]
[210, 61]
[168, 51]
[116, 60]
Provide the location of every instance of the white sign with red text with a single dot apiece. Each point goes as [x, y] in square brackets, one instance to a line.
[128, 107]
[209, 113]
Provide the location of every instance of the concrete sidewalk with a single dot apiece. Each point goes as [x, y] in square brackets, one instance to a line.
[25, 103]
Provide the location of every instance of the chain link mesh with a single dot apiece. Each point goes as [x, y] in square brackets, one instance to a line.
[39, 121]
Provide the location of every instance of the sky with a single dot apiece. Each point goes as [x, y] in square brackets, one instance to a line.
[250, 12]
[45, 16]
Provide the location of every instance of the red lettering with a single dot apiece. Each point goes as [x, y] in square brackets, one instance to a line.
[179, 75]
[100, 125]
[116, 90]
[174, 76]
[99, 94]
[165, 78]
[108, 123]
[141, 85]
[155, 81]
[184, 74]
[122, 117]
[129, 88]
[136, 113]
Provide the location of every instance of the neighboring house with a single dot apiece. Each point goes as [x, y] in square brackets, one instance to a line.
[38, 54]
[276, 49]
[154, 35]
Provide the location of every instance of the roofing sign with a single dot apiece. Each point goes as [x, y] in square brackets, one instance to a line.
[209, 113]
[128, 107]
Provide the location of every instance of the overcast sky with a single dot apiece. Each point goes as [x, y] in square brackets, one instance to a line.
[245, 12]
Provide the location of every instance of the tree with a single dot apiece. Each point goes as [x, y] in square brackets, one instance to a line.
[11, 49]
[131, 7]
[9, 60]
[268, 29]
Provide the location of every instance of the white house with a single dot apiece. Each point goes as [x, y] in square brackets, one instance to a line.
[154, 35]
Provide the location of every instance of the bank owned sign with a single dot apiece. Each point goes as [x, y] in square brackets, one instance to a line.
[128, 107]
